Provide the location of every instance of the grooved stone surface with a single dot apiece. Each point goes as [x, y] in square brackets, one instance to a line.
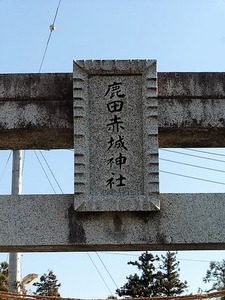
[116, 135]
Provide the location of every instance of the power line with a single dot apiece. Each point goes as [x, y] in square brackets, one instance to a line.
[44, 171]
[3, 172]
[106, 269]
[56, 13]
[192, 177]
[23, 162]
[52, 27]
[124, 254]
[192, 155]
[197, 260]
[100, 274]
[206, 152]
[49, 37]
[190, 165]
[137, 255]
[200, 167]
[51, 171]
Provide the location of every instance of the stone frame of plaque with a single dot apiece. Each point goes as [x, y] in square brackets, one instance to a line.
[115, 135]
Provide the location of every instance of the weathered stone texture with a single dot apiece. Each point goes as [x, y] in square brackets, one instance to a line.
[36, 110]
[191, 109]
[116, 120]
[49, 223]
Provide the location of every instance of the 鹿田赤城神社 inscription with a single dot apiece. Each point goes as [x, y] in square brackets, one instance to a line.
[116, 135]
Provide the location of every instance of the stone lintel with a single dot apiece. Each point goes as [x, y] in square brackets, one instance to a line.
[36, 110]
[196, 222]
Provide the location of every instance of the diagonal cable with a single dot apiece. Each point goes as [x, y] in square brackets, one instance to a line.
[106, 269]
[46, 48]
[190, 165]
[56, 13]
[44, 171]
[100, 274]
[51, 171]
[23, 162]
[192, 155]
[192, 177]
[49, 37]
[206, 152]
[3, 172]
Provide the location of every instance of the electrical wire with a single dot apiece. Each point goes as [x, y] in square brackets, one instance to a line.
[197, 260]
[190, 165]
[44, 171]
[124, 254]
[206, 152]
[3, 172]
[49, 37]
[192, 177]
[137, 255]
[192, 155]
[51, 171]
[56, 13]
[100, 274]
[87, 253]
[46, 48]
[23, 162]
[107, 270]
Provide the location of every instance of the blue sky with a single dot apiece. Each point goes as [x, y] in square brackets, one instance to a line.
[183, 35]
[186, 35]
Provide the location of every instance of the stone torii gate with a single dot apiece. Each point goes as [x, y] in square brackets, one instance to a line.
[37, 113]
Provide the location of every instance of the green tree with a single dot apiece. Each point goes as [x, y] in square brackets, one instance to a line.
[159, 277]
[145, 285]
[170, 284]
[215, 275]
[48, 285]
[4, 277]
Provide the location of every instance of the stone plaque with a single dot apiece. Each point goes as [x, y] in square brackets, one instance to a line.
[116, 135]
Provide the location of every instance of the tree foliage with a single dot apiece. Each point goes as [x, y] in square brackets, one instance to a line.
[170, 284]
[48, 285]
[216, 275]
[159, 277]
[4, 277]
[145, 285]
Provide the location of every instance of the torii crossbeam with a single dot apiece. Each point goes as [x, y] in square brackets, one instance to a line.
[37, 113]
